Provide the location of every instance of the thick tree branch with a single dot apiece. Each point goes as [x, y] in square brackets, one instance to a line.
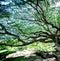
[5, 44]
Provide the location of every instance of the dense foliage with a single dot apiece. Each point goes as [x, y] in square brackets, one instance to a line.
[39, 18]
[23, 22]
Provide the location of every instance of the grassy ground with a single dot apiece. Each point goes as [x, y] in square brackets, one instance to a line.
[38, 46]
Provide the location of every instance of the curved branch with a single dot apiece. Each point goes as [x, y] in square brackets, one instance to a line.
[5, 44]
[24, 44]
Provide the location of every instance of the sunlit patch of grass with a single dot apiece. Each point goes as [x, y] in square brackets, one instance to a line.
[46, 46]
[41, 46]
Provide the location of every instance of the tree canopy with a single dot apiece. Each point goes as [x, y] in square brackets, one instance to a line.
[29, 21]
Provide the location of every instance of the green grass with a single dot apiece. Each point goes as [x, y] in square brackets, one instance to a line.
[38, 46]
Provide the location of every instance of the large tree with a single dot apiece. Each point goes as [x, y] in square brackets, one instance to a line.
[42, 14]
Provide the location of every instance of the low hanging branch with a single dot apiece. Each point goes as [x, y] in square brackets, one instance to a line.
[16, 36]
[6, 44]
[35, 38]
